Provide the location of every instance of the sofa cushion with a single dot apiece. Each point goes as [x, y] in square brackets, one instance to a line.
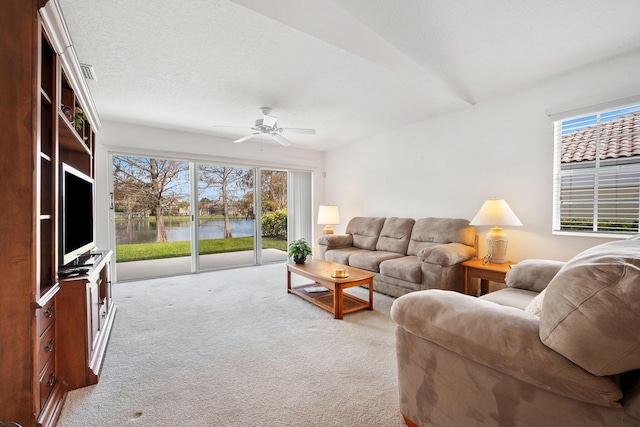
[365, 231]
[408, 268]
[591, 309]
[430, 231]
[341, 256]
[370, 260]
[511, 297]
[395, 235]
[532, 274]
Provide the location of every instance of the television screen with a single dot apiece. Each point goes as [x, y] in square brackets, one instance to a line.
[77, 234]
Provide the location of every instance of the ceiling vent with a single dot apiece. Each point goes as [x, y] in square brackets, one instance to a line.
[88, 72]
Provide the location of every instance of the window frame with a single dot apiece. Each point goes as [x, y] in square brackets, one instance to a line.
[596, 169]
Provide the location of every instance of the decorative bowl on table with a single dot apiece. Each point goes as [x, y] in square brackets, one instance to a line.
[339, 273]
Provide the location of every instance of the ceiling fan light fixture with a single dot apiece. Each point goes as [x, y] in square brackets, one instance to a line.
[268, 125]
[269, 121]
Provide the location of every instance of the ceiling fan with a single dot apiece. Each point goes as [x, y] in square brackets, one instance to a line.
[268, 125]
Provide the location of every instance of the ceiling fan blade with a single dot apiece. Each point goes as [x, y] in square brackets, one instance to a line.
[244, 138]
[233, 127]
[282, 140]
[298, 130]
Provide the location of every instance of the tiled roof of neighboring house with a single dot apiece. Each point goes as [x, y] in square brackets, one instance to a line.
[618, 138]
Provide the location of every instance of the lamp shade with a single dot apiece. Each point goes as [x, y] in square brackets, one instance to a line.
[328, 215]
[495, 212]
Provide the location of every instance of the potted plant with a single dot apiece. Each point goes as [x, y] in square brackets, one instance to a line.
[79, 118]
[299, 250]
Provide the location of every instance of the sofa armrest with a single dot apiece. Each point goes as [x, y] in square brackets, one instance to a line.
[503, 338]
[446, 254]
[335, 241]
[533, 274]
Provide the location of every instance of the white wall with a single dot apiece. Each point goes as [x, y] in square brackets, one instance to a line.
[122, 138]
[447, 166]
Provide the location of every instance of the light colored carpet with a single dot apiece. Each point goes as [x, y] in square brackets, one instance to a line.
[233, 348]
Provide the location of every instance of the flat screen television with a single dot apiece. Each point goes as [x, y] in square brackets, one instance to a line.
[76, 213]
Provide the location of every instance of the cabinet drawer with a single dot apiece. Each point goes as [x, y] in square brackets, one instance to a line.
[46, 346]
[44, 317]
[47, 381]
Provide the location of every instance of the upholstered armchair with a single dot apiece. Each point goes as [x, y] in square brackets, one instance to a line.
[560, 346]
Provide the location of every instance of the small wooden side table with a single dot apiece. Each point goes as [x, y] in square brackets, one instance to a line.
[485, 272]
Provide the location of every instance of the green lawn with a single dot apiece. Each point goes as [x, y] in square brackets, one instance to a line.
[145, 251]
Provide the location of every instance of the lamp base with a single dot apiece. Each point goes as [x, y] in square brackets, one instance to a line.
[327, 229]
[497, 242]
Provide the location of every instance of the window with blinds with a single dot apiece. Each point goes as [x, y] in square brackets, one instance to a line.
[597, 172]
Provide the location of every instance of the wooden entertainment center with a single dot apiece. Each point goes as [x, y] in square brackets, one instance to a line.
[54, 325]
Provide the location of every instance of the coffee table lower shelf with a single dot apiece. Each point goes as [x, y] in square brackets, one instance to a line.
[325, 300]
[334, 300]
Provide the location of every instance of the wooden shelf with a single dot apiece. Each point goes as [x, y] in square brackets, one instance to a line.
[69, 139]
[324, 300]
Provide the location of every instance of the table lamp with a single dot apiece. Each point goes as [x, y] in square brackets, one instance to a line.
[328, 215]
[496, 212]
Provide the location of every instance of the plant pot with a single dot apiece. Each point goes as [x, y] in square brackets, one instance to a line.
[299, 260]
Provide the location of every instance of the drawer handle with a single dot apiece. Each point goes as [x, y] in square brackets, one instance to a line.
[49, 347]
[49, 311]
[52, 379]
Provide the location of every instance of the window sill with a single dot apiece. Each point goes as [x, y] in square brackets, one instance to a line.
[594, 234]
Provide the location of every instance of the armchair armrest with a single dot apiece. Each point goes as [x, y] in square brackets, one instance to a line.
[532, 274]
[446, 254]
[503, 338]
[335, 241]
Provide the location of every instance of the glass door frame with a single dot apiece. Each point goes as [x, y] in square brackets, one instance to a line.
[193, 183]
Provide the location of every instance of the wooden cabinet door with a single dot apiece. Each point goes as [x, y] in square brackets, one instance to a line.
[94, 309]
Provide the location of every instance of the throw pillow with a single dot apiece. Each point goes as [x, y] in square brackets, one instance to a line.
[535, 306]
[592, 309]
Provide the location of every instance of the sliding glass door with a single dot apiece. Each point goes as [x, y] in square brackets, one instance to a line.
[152, 216]
[273, 215]
[174, 217]
[226, 218]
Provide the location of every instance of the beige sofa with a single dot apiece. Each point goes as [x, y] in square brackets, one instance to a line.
[560, 346]
[407, 255]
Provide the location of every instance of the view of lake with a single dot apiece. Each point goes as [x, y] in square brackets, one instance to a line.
[144, 232]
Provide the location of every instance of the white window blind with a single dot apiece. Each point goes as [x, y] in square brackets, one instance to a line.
[597, 172]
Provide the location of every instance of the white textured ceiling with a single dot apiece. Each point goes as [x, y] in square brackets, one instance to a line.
[347, 68]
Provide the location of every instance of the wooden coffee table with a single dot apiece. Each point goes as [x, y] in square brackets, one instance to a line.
[334, 300]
